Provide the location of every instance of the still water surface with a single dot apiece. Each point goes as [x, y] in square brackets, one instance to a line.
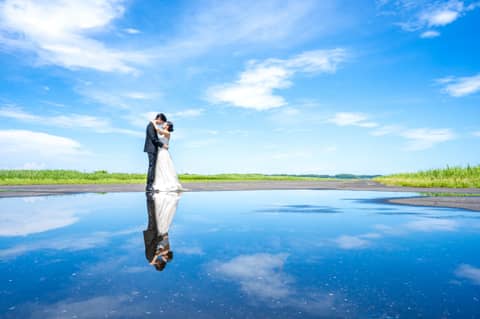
[262, 254]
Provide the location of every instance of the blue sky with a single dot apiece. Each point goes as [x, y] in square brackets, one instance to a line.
[326, 87]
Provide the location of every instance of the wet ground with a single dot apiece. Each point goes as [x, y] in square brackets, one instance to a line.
[467, 202]
[242, 254]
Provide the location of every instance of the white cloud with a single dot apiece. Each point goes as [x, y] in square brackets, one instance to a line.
[139, 95]
[421, 15]
[386, 130]
[19, 147]
[132, 31]
[188, 113]
[254, 89]
[351, 242]
[206, 142]
[424, 138]
[93, 123]
[37, 144]
[352, 119]
[259, 274]
[430, 34]
[433, 224]
[469, 272]
[418, 139]
[477, 133]
[442, 14]
[461, 86]
[114, 100]
[59, 32]
[445, 80]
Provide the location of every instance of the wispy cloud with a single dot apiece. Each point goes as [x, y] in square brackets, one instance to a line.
[18, 141]
[421, 15]
[461, 86]
[139, 95]
[187, 113]
[424, 138]
[213, 25]
[352, 119]
[61, 33]
[387, 130]
[93, 123]
[442, 14]
[429, 34]
[19, 147]
[132, 31]
[417, 139]
[254, 89]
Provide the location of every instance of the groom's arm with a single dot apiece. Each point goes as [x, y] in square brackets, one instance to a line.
[153, 136]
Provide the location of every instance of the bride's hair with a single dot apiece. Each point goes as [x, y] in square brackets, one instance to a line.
[170, 126]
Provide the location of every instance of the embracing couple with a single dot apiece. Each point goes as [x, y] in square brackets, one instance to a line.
[161, 172]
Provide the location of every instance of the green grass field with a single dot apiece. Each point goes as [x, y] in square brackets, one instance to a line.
[44, 177]
[454, 177]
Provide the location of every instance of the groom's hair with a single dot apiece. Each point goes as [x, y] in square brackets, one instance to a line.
[161, 116]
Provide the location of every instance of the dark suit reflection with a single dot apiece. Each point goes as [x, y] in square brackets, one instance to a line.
[161, 208]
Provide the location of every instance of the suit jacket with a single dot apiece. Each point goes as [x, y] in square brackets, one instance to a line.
[151, 237]
[152, 143]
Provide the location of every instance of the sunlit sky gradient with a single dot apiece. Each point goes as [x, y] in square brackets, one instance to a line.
[326, 87]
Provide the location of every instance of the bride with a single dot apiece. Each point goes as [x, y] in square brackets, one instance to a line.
[166, 179]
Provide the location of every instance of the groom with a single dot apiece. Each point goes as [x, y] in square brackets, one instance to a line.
[152, 143]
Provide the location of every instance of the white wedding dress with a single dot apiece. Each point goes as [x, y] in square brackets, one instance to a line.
[165, 209]
[166, 179]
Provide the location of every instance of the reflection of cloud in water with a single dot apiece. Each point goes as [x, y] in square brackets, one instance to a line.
[69, 243]
[262, 276]
[30, 220]
[301, 209]
[433, 224]
[423, 225]
[469, 272]
[96, 307]
[259, 274]
[33, 199]
[190, 250]
[389, 230]
[351, 242]
[402, 213]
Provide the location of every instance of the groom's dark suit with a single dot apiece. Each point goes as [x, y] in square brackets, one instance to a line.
[150, 235]
[152, 143]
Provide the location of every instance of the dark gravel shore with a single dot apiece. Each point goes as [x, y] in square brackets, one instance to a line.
[471, 203]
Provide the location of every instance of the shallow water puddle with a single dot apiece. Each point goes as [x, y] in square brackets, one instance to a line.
[253, 254]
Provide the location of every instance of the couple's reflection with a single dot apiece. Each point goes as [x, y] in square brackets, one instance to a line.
[161, 208]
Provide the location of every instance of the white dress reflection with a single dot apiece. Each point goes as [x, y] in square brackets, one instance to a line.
[161, 208]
